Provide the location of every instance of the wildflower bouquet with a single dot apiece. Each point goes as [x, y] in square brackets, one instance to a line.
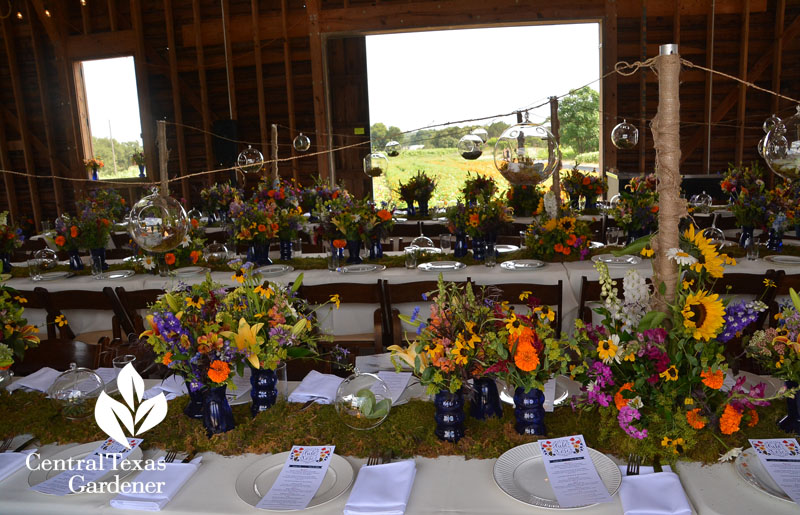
[637, 209]
[10, 237]
[750, 198]
[67, 233]
[190, 250]
[547, 238]
[94, 230]
[486, 218]
[477, 187]
[104, 201]
[423, 187]
[352, 220]
[218, 198]
[254, 221]
[320, 191]
[577, 183]
[138, 158]
[407, 192]
[327, 211]
[658, 373]
[777, 350]
[525, 200]
[93, 163]
[378, 220]
[458, 217]
[186, 334]
[17, 335]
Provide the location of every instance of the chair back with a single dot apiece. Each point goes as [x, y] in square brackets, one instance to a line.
[403, 293]
[56, 302]
[133, 301]
[58, 354]
[547, 294]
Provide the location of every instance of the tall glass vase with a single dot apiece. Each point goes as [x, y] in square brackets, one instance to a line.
[286, 250]
[791, 422]
[217, 414]
[460, 247]
[354, 249]
[258, 253]
[485, 402]
[423, 207]
[75, 262]
[141, 171]
[410, 209]
[449, 415]
[100, 254]
[94, 173]
[375, 249]
[746, 236]
[194, 408]
[775, 240]
[478, 249]
[529, 411]
[263, 390]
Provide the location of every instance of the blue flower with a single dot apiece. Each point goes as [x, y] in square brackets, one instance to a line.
[415, 314]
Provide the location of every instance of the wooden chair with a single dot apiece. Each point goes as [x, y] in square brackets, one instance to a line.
[131, 302]
[118, 253]
[27, 249]
[432, 229]
[59, 353]
[548, 295]
[412, 230]
[58, 301]
[590, 292]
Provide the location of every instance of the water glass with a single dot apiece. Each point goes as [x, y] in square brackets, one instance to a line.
[97, 267]
[46, 226]
[332, 256]
[751, 246]
[411, 257]
[522, 239]
[491, 257]
[35, 269]
[297, 247]
[444, 241]
[120, 361]
[613, 235]
[283, 384]
[581, 202]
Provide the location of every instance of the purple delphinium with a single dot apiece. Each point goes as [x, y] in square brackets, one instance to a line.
[738, 315]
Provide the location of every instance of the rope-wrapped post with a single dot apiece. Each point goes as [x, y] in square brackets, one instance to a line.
[163, 156]
[274, 152]
[667, 142]
[555, 128]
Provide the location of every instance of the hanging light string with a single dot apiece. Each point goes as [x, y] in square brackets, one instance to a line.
[622, 68]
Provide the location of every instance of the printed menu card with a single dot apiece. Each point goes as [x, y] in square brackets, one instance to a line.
[300, 478]
[781, 459]
[572, 473]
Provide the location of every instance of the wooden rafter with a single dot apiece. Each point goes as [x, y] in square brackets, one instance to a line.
[318, 87]
[201, 71]
[226, 17]
[112, 15]
[8, 179]
[608, 86]
[262, 109]
[708, 86]
[744, 49]
[177, 108]
[777, 62]
[287, 59]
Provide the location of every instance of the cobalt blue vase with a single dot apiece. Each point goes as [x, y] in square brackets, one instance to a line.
[263, 390]
[217, 414]
[529, 411]
[258, 253]
[286, 250]
[449, 415]
[485, 402]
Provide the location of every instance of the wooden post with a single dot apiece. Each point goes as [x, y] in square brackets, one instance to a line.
[667, 142]
[318, 87]
[777, 61]
[177, 107]
[274, 153]
[608, 87]
[643, 92]
[743, 55]
[201, 70]
[287, 63]
[555, 127]
[226, 21]
[163, 156]
[262, 110]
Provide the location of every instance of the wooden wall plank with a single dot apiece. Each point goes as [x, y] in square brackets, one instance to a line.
[177, 107]
[777, 60]
[287, 60]
[8, 179]
[318, 87]
[744, 49]
[201, 72]
[143, 89]
[608, 86]
[259, 67]
[229, 67]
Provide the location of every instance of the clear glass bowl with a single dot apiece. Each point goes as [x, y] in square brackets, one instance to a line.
[158, 223]
[782, 147]
[375, 164]
[363, 401]
[526, 154]
[216, 253]
[392, 149]
[74, 390]
[301, 142]
[625, 136]
[470, 147]
[250, 160]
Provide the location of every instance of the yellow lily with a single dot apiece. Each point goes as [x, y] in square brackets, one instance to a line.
[409, 355]
[246, 338]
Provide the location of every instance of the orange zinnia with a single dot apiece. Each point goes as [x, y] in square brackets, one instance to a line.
[571, 239]
[619, 400]
[384, 215]
[60, 240]
[474, 219]
[712, 379]
[195, 223]
[169, 258]
[586, 180]
[654, 209]
[526, 357]
[340, 244]
[262, 227]
[729, 423]
[73, 231]
[167, 359]
[218, 371]
[753, 418]
[567, 251]
[275, 227]
[558, 247]
[694, 419]
[194, 256]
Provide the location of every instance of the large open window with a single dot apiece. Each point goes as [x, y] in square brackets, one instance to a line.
[426, 78]
[108, 103]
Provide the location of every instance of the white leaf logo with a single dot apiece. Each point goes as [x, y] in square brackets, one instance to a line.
[112, 415]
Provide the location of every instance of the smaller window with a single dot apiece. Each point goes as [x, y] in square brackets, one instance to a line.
[108, 104]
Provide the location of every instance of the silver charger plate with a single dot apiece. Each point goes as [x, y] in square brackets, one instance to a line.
[79, 452]
[521, 264]
[255, 481]
[520, 473]
[362, 269]
[505, 249]
[783, 260]
[441, 266]
[191, 270]
[118, 274]
[754, 474]
[271, 270]
[52, 276]
[612, 260]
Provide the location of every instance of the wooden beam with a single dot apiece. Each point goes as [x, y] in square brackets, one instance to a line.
[8, 179]
[177, 108]
[287, 66]
[676, 25]
[201, 71]
[143, 88]
[608, 86]
[743, 55]
[259, 66]
[158, 65]
[708, 88]
[318, 87]
[22, 116]
[44, 95]
[54, 32]
[631, 8]
[112, 15]
[229, 66]
[85, 18]
[777, 62]
[729, 101]
[643, 89]
[101, 44]
[269, 29]
[38, 145]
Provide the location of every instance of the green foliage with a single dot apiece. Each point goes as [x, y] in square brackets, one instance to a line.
[123, 150]
[579, 114]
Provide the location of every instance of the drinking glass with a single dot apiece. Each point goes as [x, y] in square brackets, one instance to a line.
[97, 267]
[581, 202]
[35, 269]
[491, 257]
[522, 239]
[120, 361]
[612, 235]
[332, 255]
[411, 257]
[751, 247]
[444, 241]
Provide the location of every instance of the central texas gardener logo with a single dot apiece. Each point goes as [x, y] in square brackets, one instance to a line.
[136, 415]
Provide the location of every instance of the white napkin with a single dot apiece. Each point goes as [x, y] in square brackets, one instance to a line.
[174, 386]
[382, 489]
[39, 381]
[317, 387]
[10, 462]
[173, 476]
[653, 494]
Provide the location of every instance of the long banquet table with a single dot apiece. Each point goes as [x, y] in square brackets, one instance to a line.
[448, 484]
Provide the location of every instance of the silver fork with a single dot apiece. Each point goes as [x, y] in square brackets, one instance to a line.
[374, 459]
[6, 444]
[170, 457]
[634, 461]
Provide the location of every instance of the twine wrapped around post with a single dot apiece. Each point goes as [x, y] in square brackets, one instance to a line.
[274, 152]
[555, 128]
[163, 156]
[666, 140]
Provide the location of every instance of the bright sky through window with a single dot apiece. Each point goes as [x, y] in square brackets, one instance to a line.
[111, 96]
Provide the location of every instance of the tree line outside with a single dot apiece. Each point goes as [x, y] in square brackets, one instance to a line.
[123, 150]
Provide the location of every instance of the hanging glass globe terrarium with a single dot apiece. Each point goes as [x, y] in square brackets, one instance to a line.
[392, 149]
[769, 124]
[482, 133]
[526, 153]
[158, 223]
[301, 142]
[782, 148]
[250, 160]
[376, 164]
[625, 136]
[470, 146]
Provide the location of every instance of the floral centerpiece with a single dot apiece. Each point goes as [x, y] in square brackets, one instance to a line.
[320, 191]
[378, 226]
[550, 238]
[659, 374]
[255, 223]
[11, 238]
[93, 164]
[637, 210]
[17, 335]
[104, 201]
[589, 185]
[218, 198]
[188, 252]
[66, 233]
[6, 357]
[288, 213]
[423, 190]
[407, 193]
[138, 158]
[784, 201]
[477, 187]
[524, 199]
[485, 219]
[750, 198]
[326, 211]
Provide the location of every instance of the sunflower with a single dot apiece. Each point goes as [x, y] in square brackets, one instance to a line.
[195, 301]
[712, 261]
[670, 374]
[514, 326]
[607, 349]
[703, 315]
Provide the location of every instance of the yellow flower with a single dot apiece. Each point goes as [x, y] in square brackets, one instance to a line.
[459, 352]
[550, 225]
[514, 326]
[688, 284]
[21, 300]
[769, 283]
[524, 295]
[61, 320]
[630, 357]
[607, 349]
[470, 326]
[335, 299]
[247, 339]
[779, 363]
[264, 292]
[703, 315]
[666, 442]
[688, 401]
[238, 276]
[712, 261]
[729, 260]
[647, 252]
[196, 301]
[670, 374]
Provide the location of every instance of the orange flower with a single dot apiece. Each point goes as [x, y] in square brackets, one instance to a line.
[167, 359]
[169, 258]
[694, 419]
[558, 247]
[654, 209]
[60, 240]
[275, 227]
[384, 215]
[712, 379]
[340, 244]
[73, 231]
[619, 400]
[194, 256]
[271, 193]
[567, 251]
[526, 357]
[262, 227]
[105, 221]
[335, 195]
[474, 219]
[219, 371]
[729, 423]
[571, 239]
[586, 180]
[195, 223]
[753, 418]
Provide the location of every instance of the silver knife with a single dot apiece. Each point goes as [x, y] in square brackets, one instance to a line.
[25, 444]
[189, 458]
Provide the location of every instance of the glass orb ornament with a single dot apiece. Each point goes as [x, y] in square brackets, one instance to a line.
[250, 160]
[625, 136]
[301, 142]
[470, 147]
[715, 235]
[701, 202]
[782, 148]
[74, 389]
[768, 125]
[482, 133]
[46, 258]
[526, 154]
[158, 223]
[363, 401]
[216, 253]
[392, 149]
[376, 164]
